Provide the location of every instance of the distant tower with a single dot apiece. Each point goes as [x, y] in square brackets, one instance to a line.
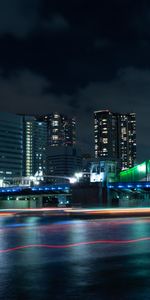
[115, 137]
[63, 158]
[61, 130]
[34, 146]
[11, 145]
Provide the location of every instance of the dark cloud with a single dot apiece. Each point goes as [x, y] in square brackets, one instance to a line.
[141, 20]
[56, 23]
[102, 43]
[76, 57]
[73, 43]
[18, 17]
[129, 91]
[24, 92]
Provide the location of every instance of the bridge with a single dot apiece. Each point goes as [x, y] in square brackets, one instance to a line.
[35, 190]
[127, 194]
[35, 196]
[35, 180]
[142, 185]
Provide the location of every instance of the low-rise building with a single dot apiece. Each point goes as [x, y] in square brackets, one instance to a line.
[104, 171]
[63, 161]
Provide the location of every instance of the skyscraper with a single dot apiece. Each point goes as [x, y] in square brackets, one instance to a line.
[11, 146]
[63, 158]
[61, 130]
[115, 137]
[34, 146]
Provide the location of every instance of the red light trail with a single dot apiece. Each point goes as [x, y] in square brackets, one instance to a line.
[66, 246]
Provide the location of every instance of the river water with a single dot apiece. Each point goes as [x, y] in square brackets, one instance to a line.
[74, 259]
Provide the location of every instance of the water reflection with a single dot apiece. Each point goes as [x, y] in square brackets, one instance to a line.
[86, 271]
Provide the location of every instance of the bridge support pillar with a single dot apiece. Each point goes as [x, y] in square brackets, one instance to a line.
[39, 202]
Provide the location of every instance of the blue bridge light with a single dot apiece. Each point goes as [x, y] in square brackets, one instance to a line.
[129, 185]
[53, 187]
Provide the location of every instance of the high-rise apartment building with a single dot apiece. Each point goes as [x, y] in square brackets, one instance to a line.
[62, 155]
[115, 137]
[40, 144]
[34, 146]
[11, 145]
[61, 130]
[127, 140]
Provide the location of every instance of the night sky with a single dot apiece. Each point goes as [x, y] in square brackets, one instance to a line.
[75, 57]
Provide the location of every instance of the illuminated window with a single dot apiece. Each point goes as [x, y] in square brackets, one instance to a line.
[105, 140]
[55, 123]
[56, 116]
[123, 130]
[54, 137]
[55, 130]
[104, 131]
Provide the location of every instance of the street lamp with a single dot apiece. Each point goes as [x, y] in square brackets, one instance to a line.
[78, 175]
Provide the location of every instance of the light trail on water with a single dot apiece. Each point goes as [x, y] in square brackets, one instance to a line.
[66, 246]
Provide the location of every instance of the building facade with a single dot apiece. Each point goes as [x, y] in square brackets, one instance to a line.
[11, 145]
[34, 146]
[103, 171]
[127, 140]
[63, 161]
[61, 130]
[115, 137]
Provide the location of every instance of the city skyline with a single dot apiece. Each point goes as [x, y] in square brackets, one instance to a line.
[74, 149]
[72, 57]
[67, 133]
